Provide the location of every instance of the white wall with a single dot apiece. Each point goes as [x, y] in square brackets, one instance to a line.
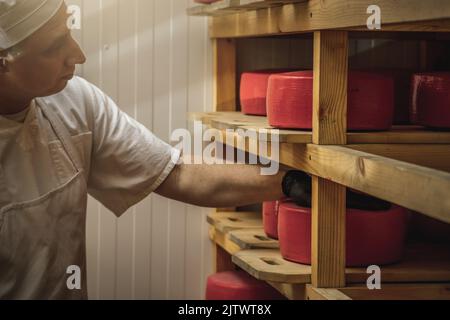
[155, 62]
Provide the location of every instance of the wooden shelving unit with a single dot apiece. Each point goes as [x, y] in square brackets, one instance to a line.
[408, 165]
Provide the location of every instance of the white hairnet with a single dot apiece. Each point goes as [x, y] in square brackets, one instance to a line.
[21, 18]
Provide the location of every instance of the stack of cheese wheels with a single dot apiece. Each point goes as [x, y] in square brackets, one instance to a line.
[373, 237]
[370, 101]
[238, 285]
[430, 102]
[270, 218]
[253, 91]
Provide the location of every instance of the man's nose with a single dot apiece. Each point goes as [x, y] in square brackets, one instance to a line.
[76, 55]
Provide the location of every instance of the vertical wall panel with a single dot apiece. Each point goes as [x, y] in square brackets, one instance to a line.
[156, 63]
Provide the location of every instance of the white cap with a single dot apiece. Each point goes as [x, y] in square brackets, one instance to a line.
[19, 19]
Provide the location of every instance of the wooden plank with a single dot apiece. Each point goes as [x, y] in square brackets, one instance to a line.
[253, 239]
[433, 156]
[290, 291]
[398, 134]
[224, 75]
[222, 260]
[223, 240]
[422, 291]
[222, 7]
[228, 221]
[437, 291]
[268, 265]
[328, 233]
[421, 263]
[330, 87]
[225, 7]
[417, 188]
[329, 127]
[400, 15]
[313, 293]
[313, 15]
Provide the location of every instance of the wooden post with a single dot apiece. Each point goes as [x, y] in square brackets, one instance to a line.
[225, 75]
[224, 100]
[329, 128]
[222, 260]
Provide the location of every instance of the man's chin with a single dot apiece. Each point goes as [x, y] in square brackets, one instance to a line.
[62, 84]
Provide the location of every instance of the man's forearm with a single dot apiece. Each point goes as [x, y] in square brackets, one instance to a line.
[221, 185]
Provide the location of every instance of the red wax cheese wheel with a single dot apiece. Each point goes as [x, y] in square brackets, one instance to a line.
[430, 102]
[373, 237]
[370, 101]
[270, 219]
[253, 91]
[402, 93]
[238, 285]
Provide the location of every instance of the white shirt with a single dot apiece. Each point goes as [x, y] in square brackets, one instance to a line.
[123, 161]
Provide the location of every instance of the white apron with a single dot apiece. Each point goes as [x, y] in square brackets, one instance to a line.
[42, 238]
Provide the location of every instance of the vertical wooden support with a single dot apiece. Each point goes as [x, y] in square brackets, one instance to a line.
[225, 75]
[329, 127]
[222, 260]
[224, 51]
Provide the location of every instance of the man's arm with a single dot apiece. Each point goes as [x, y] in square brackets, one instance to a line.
[221, 185]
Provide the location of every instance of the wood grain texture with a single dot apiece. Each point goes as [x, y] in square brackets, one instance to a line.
[419, 291]
[418, 188]
[314, 15]
[421, 263]
[253, 239]
[397, 135]
[330, 87]
[328, 233]
[224, 51]
[228, 221]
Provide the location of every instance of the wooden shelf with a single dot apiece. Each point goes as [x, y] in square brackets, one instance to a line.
[225, 7]
[398, 134]
[422, 263]
[416, 180]
[312, 15]
[228, 221]
[253, 239]
[434, 291]
[222, 223]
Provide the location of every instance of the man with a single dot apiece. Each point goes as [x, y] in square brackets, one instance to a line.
[62, 138]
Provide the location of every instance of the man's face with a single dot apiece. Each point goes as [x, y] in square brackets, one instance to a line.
[47, 61]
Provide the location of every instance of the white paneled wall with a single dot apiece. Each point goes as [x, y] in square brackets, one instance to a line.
[155, 62]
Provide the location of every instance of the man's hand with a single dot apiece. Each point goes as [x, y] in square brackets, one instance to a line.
[297, 185]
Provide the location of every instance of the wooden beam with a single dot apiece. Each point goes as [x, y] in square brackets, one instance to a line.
[399, 15]
[420, 291]
[224, 75]
[329, 127]
[418, 188]
[313, 293]
[422, 262]
[435, 156]
[328, 234]
[330, 87]
[314, 15]
[222, 260]
[415, 187]
[397, 135]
